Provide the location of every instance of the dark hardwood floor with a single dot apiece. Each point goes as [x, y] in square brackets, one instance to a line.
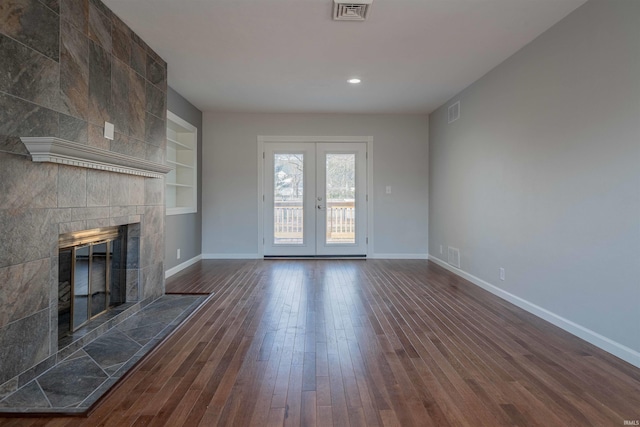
[362, 343]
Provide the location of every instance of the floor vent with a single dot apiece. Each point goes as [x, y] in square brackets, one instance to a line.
[454, 112]
[351, 11]
[454, 257]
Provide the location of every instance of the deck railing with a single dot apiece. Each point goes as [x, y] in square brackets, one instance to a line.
[288, 220]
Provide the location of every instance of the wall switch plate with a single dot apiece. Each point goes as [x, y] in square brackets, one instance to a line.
[441, 250]
[501, 273]
[109, 129]
[388, 189]
[178, 254]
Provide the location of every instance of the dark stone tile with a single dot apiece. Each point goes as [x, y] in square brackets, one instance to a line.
[137, 105]
[30, 396]
[32, 23]
[76, 12]
[99, 85]
[73, 129]
[156, 101]
[33, 121]
[96, 137]
[144, 334]
[71, 382]
[154, 190]
[72, 187]
[54, 5]
[74, 72]
[100, 28]
[26, 235]
[155, 130]
[98, 188]
[124, 145]
[119, 190]
[153, 279]
[156, 73]
[119, 25]
[77, 355]
[30, 374]
[120, 96]
[93, 397]
[112, 348]
[20, 176]
[113, 369]
[102, 8]
[8, 388]
[24, 291]
[28, 74]
[138, 58]
[23, 344]
[122, 46]
[155, 154]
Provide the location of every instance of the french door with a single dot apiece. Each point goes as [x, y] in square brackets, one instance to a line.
[315, 199]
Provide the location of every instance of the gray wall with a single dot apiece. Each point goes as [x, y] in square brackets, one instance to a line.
[541, 174]
[230, 193]
[185, 231]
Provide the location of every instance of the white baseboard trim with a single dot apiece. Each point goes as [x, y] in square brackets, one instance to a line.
[399, 256]
[178, 268]
[623, 352]
[230, 256]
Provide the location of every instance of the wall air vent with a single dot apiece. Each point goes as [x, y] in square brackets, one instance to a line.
[454, 257]
[345, 10]
[454, 112]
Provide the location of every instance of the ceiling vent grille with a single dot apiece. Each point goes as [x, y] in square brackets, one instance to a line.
[454, 112]
[344, 10]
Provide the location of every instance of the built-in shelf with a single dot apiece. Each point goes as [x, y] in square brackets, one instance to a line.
[182, 152]
[56, 150]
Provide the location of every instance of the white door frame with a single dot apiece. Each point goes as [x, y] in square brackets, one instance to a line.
[369, 199]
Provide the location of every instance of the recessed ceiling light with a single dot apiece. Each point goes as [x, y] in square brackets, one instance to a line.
[354, 81]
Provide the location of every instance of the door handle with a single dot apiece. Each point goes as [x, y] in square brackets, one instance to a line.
[320, 207]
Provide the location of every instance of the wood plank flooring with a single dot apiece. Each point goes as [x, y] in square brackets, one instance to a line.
[362, 343]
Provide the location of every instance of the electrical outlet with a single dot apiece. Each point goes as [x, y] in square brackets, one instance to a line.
[501, 273]
[178, 254]
[441, 250]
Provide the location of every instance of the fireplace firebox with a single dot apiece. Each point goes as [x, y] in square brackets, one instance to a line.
[91, 275]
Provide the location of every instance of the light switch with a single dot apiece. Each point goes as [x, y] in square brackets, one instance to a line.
[108, 130]
[388, 190]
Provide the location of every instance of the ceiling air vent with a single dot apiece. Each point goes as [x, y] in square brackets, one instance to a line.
[344, 10]
[454, 112]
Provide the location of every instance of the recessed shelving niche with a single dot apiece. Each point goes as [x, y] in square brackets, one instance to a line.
[182, 155]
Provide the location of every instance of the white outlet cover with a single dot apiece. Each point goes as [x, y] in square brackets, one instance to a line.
[109, 129]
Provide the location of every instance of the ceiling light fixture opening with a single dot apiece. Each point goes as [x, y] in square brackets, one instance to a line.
[354, 81]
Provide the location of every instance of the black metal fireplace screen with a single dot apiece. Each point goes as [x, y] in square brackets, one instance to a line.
[91, 275]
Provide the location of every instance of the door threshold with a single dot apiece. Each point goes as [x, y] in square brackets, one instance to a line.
[327, 257]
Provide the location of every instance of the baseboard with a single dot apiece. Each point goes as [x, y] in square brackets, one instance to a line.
[178, 268]
[230, 256]
[623, 352]
[399, 256]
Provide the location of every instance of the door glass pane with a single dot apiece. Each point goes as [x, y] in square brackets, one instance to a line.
[288, 199]
[81, 287]
[341, 195]
[64, 292]
[99, 279]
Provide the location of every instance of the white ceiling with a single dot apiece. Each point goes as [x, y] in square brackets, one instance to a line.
[290, 56]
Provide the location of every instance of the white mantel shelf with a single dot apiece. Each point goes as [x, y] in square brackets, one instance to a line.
[56, 150]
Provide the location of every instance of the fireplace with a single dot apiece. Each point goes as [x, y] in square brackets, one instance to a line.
[91, 275]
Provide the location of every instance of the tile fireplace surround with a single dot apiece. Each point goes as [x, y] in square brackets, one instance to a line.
[69, 66]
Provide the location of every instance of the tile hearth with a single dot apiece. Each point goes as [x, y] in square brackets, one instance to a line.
[81, 378]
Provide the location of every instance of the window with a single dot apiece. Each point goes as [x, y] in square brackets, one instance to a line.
[182, 155]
